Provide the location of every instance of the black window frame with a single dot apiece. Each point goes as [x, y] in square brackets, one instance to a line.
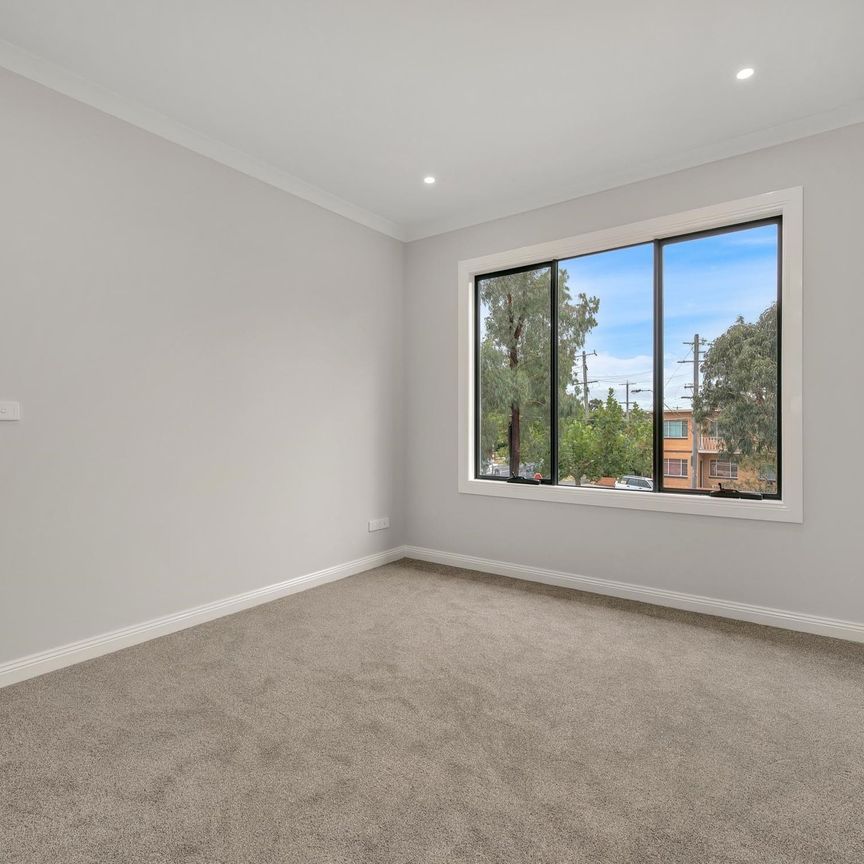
[552, 480]
[659, 245]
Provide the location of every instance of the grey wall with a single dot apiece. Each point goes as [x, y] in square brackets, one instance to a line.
[816, 567]
[218, 392]
[209, 371]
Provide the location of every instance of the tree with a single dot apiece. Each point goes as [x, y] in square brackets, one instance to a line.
[640, 435]
[608, 444]
[608, 422]
[577, 449]
[739, 388]
[514, 360]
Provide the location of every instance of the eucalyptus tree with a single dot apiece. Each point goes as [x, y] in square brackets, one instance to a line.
[515, 357]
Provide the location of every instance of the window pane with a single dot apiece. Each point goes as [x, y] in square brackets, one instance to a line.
[605, 355]
[674, 428]
[720, 309]
[675, 467]
[514, 319]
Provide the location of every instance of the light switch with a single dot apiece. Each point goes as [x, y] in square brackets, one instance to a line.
[10, 410]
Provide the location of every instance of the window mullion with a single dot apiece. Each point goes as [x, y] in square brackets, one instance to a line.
[553, 376]
[658, 366]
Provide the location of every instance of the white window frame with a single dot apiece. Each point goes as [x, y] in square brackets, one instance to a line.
[787, 203]
[685, 424]
[733, 469]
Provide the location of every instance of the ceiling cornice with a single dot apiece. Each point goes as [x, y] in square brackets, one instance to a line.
[69, 84]
[63, 81]
[803, 127]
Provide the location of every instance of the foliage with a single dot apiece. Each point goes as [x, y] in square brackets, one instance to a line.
[608, 444]
[515, 385]
[739, 388]
[514, 361]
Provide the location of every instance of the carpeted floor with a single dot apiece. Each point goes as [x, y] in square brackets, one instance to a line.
[418, 713]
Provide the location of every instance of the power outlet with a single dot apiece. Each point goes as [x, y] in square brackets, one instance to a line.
[379, 524]
[10, 410]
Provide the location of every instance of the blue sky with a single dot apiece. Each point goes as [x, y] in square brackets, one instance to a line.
[707, 283]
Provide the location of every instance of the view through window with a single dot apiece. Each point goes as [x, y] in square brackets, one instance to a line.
[573, 366]
[605, 346]
[720, 347]
[515, 321]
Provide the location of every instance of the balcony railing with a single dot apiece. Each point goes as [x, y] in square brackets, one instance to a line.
[710, 444]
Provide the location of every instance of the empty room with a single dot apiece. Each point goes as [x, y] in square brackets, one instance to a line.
[422, 432]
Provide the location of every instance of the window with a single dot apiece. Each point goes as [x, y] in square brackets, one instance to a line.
[514, 344]
[566, 347]
[653, 351]
[674, 467]
[721, 307]
[723, 470]
[605, 425]
[674, 428]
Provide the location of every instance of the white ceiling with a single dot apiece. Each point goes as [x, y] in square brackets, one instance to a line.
[510, 104]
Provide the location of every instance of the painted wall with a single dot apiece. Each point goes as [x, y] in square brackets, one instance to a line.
[209, 373]
[817, 567]
[221, 384]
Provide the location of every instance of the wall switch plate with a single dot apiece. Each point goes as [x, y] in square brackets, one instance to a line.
[379, 524]
[10, 410]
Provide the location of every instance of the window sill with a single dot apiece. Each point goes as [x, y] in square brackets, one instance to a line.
[661, 502]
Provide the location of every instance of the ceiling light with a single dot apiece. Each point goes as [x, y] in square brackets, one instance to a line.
[429, 180]
[745, 73]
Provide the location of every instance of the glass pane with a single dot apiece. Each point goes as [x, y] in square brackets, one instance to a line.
[515, 368]
[720, 309]
[605, 357]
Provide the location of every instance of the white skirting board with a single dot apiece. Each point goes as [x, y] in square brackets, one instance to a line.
[75, 652]
[850, 630]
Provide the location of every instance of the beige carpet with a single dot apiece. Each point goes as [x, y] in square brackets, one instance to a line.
[423, 714]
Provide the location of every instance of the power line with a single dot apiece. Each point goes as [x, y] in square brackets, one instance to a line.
[676, 371]
[624, 375]
[674, 374]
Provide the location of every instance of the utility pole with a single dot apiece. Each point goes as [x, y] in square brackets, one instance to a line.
[627, 392]
[698, 347]
[585, 381]
[634, 391]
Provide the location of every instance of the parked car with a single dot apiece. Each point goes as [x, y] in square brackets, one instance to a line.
[631, 481]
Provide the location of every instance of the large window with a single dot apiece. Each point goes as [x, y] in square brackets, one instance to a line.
[636, 362]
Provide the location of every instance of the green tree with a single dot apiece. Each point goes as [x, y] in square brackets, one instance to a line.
[623, 444]
[577, 449]
[640, 433]
[608, 422]
[607, 444]
[514, 360]
[739, 388]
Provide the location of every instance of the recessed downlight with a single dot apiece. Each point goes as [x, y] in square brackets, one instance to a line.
[429, 180]
[745, 73]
